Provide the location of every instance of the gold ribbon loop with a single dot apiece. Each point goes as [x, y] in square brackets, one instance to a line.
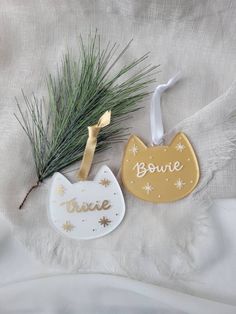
[91, 144]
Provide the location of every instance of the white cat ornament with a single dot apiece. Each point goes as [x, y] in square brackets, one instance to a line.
[87, 209]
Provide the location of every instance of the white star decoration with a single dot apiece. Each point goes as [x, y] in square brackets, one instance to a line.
[134, 149]
[180, 147]
[179, 184]
[148, 188]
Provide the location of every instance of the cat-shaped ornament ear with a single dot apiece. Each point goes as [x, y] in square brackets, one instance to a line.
[61, 183]
[86, 209]
[160, 173]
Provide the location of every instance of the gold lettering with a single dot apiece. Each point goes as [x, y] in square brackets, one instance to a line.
[91, 206]
[73, 206]
[96, 207]
[106, 205]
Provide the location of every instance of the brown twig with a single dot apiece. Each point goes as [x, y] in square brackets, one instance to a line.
[27, 194]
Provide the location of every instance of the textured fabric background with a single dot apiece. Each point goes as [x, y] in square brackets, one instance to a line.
[196, 37]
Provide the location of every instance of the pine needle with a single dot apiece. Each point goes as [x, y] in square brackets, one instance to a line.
[79, 94]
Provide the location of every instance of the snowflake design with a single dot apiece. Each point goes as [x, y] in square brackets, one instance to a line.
[67, 226]
[179, 184]
[134, 149]
[180, 147]
[105, 182]
[104, 221]
[148, 188]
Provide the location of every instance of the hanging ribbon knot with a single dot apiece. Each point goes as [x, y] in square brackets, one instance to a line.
[91, 144]
[157, 129]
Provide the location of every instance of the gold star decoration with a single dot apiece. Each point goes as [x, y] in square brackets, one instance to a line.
[67, 226]
[104, 221]
[105, 182]
[60, 190]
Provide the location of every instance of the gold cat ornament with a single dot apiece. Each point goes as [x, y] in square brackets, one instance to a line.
[160, 173]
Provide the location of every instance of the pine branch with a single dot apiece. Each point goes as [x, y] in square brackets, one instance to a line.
[81, 91]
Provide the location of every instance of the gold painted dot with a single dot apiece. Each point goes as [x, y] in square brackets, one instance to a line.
[159, 196]
[165, 150]
[150, 157]
[131, 181]
[188, 159]
[167, 179]
[127, 159]
[191, 181]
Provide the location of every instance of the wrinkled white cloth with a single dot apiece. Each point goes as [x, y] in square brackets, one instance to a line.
[101, 294]
[27, 286]
[195, 36]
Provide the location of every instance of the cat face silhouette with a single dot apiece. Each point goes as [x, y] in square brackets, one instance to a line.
[86, 209]
[160, 173]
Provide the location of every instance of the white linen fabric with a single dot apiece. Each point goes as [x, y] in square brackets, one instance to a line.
[101, 294]
[27, 286]
[195, 36]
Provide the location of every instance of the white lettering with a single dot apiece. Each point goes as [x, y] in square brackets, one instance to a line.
[142, 169]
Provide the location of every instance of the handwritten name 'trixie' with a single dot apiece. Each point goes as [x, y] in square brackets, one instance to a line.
[142, 168]
[72, 206]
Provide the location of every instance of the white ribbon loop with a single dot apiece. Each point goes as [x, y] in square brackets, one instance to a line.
[157, 129]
